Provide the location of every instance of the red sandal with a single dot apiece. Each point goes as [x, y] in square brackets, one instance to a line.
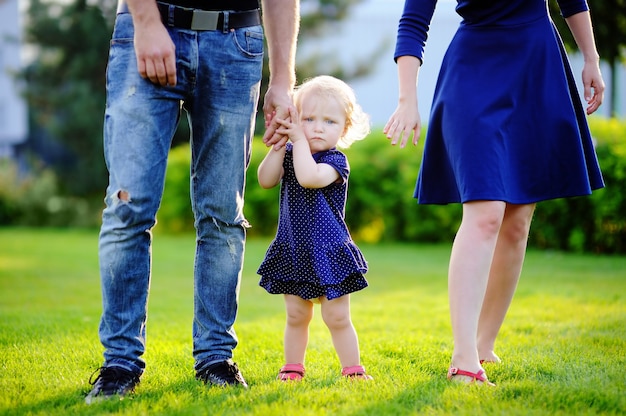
[479, 376]
[356, 372]
[291, 372]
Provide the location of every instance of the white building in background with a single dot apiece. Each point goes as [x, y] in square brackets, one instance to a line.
[13, 116]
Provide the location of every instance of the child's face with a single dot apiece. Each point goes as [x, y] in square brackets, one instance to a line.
[323, 121]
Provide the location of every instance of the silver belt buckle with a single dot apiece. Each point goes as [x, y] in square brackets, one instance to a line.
[204, 20]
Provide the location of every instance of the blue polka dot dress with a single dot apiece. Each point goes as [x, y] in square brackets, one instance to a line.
[313, 254]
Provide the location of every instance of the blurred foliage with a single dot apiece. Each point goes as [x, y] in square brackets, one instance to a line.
[596, 223]
[66, 95]
[65, 87]
[380, 206]
[380, 203]
[35, 200]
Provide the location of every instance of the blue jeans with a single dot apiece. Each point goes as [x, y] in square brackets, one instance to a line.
[218, 76]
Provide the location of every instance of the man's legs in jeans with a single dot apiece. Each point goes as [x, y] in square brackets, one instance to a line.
[140, 121]
[222, 115]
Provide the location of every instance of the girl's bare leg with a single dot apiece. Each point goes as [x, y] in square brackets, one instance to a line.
[504, 274]
[299, 315]
[336, 315]
[470, 261]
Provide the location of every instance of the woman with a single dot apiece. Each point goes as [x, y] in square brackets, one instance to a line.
[506, 131]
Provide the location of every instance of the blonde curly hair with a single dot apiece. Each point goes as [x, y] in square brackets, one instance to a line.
[357, 121]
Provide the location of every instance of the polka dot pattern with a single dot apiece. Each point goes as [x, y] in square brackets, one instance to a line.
[313, 254]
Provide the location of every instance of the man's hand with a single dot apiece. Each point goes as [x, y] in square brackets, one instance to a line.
[154, 48]
[156, 54]
[275, 106]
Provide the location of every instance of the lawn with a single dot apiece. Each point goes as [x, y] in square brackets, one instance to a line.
[563, 344]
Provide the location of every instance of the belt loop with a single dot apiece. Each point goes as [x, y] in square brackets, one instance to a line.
[171, 9]
[226, 23]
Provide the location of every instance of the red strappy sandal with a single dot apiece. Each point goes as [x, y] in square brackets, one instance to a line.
[479, 376]
[291, 372]
[356, 372]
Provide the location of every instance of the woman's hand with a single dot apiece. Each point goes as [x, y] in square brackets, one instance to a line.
[593, 86]
[402, 123]
[406, 119]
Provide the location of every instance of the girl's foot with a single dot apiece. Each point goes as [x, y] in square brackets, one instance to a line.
[490, 358]
[356, 372]
[291, 372]
[468, 377]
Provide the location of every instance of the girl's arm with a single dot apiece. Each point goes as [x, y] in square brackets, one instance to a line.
[406, 118]
[580, 26]
[270, 171]
[309, 173]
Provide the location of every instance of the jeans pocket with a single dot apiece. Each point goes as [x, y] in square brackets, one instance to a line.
[123, 30]
[249, 40]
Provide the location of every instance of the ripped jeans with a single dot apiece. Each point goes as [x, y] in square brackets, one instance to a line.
[218, 78]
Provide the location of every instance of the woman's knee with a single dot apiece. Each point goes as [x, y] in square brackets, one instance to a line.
[516, 222]
[485, 216]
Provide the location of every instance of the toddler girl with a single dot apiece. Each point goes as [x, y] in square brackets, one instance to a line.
[313, 257]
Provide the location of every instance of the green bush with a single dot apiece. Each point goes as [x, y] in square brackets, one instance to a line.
[380, 203]
[175, 213]
[34, 199]
[381, 206]
[596, 223]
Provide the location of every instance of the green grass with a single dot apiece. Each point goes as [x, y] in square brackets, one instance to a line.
[563, 344]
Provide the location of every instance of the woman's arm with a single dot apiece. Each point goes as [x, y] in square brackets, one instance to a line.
[581, 28]
[406, 119]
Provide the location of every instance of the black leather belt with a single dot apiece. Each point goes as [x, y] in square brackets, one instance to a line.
[198, 19]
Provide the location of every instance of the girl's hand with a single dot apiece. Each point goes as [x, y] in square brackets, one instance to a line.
[402, 123]
[290, 126]
[593, 83]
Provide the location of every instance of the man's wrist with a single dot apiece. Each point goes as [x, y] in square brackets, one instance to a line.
[285, 83]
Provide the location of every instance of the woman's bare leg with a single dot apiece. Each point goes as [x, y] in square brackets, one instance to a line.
[506, 268]
[470, 261]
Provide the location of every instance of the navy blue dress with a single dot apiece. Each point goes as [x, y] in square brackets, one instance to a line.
[313, 254]
[506, 123]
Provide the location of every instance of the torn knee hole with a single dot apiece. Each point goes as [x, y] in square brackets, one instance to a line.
[123, 196]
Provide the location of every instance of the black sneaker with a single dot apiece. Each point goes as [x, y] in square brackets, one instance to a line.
[223, 373]
[112, 381]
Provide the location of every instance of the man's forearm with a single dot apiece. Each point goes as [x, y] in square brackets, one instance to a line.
[143, 10]
[281, 21]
